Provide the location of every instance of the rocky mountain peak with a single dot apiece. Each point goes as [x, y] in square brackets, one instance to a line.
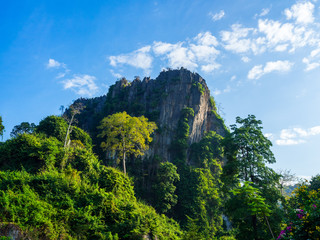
[161, 100]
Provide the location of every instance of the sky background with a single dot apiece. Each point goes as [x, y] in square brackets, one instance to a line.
[257, 57]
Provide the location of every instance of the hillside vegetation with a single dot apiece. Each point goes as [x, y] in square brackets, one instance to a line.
[179, 174]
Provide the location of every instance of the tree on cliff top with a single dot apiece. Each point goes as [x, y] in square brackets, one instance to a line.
[1, 127]
[126, 135]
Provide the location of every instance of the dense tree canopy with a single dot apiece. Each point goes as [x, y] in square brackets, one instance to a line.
[82, 200]
[253, 150]
[23, 127]
[126, 135]
[249, 154]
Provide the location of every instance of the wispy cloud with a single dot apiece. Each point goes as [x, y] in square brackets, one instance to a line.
[294, 136]
[117, 75]
[258, 71]
[81, 84]
[217, 92]
[264, 12]
[53, 63]
[245, 59]
[140, 58]
[297, 28]
[217, 16]
[269, 136]
[198, 52]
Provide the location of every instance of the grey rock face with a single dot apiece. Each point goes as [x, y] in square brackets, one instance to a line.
[161, 100]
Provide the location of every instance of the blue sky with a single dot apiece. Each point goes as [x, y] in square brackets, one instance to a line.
[258, 57]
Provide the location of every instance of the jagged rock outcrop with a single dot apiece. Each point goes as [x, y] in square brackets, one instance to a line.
[12, 231]
[161, 100]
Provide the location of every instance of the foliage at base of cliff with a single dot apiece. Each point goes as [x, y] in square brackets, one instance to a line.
[55, 193]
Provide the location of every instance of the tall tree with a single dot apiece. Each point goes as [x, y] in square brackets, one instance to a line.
[126, 135]
[1, 127]
[74, 109]
[253, 150]
[23, 127]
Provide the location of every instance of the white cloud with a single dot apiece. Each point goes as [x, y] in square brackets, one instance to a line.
[241, 40]
[275, 31]
[210, 67]
[81, 84]
[315, 52]
[217, 92]
[310, 65]
[161, 48]
[258, 71]
[182, 57]
[264, 12]
[140, 58]
[269, 136]
[206, 39]
[117, 75]
[245, 59]
[236, 40]
[281, 66]
[198, 52]
[288, 142]
[58, 65]
[202, 52]
[53, 63]
[217, 16]
[294, 136]
[302, 12]
[281, 47]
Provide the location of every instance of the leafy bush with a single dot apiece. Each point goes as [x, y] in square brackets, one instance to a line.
[303, 220]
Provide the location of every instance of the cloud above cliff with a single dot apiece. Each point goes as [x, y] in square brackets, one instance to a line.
[296, 28]
[280, 66]
[198, 52]
[81, 84]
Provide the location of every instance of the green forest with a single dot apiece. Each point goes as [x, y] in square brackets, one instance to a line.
[57, 181]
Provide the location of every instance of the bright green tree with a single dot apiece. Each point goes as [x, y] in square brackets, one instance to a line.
[126, 135]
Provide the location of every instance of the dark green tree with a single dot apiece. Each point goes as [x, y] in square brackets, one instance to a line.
[1, 127]
[53, 126]
[251, 152]
[165, 186]
[246, 206]
[23, 127]
[315, 183]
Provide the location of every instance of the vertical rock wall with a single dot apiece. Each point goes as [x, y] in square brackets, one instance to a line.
[161, 100]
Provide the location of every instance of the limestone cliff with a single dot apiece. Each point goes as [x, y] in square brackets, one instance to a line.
[161, 100]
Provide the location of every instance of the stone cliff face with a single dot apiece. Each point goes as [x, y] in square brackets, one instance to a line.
[161, 100]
